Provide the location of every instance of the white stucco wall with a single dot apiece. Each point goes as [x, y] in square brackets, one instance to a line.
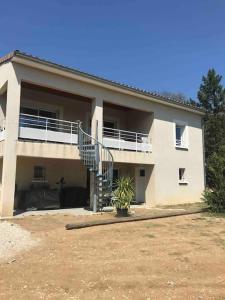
[169, 159]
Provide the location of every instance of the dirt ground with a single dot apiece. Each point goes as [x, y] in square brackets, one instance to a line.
[172, 258]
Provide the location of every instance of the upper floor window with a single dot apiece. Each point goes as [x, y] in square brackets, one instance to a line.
[181, 136]
[37, 118]
[110, 124]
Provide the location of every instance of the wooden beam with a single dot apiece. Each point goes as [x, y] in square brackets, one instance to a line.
[117, 220]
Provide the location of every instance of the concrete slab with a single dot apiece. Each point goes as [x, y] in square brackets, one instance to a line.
[66, 211]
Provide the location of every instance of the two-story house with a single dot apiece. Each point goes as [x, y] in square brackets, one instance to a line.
[57, 122]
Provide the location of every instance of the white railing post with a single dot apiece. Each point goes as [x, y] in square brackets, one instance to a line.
[136, 141]
[71, 133]
[119, 140]
[46, 130]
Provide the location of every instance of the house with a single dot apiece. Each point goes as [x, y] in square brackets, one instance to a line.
[58, 123]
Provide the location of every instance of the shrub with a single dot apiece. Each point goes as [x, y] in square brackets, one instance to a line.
[124, 193]
[215, 200]
[215, 196]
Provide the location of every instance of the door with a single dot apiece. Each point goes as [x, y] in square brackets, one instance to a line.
[140, 184]
[115, 178]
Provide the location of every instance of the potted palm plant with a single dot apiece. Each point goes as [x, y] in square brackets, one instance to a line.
[123, 195]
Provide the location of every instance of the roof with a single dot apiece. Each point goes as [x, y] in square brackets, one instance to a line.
[18, 53]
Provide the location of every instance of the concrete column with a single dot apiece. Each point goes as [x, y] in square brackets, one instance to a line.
[9, 154]
[97, 118]
[96, 132]
[150, 186]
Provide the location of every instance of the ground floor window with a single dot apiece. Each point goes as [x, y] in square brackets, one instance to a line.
[39, 173]
[142, 172]
[182, 176]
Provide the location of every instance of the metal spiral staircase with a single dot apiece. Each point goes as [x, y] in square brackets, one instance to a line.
[99, 161]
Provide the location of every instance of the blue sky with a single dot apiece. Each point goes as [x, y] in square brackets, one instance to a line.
[157, 45]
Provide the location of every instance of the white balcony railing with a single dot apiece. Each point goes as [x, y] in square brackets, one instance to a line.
[126, 140]
[54, 130]
[47, 129]
[181, 144]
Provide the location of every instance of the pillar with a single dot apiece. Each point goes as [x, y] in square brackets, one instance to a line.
[150, 191]
[96, 132]
[9, 152]
[97, 118]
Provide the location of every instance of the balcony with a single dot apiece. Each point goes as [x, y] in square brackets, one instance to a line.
[126, 140]
[59, 131]
[47, 129]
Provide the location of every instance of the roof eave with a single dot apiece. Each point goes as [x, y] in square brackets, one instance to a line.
[17, 56]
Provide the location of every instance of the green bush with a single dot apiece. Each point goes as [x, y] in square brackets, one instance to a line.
[215, 200]
[215, 196]
[124, 193]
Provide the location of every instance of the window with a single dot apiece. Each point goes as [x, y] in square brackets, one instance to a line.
[39, 173]
[181, 137]
[38, 112]
[182, 179]
[109, 129]
[142, 172]
[35, 118]
[109, 124]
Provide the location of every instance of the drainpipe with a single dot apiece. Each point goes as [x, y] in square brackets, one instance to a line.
[203, 146]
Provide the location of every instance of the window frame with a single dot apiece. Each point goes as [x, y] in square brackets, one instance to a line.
[112, 122]
[39, 178]
[142, 172]
[184, 136]
[182, 176]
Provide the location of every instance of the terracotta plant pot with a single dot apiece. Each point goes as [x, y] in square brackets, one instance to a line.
[122, 212]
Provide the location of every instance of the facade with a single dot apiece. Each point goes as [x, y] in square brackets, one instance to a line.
[155, 140]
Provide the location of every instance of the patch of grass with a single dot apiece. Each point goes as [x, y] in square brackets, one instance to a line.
[149, 235]
[186, 206]
[193, 243]
[183, 259]
[189, 226]
[215, 215]
[154, 225]
[204, 233]
[199, 219]
[176, 253]
[219, 242]
[179, 256]
[181, 226]
[144, 251]
[202, 248]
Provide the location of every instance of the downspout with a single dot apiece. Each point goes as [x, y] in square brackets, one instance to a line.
[203, 147]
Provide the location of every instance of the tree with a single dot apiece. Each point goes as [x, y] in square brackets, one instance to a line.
[180, 97]
[211, 96]
[214, 134]
[215, 196]
[175, 96]
[211, 93]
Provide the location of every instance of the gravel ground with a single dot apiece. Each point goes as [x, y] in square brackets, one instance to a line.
[13, 239]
